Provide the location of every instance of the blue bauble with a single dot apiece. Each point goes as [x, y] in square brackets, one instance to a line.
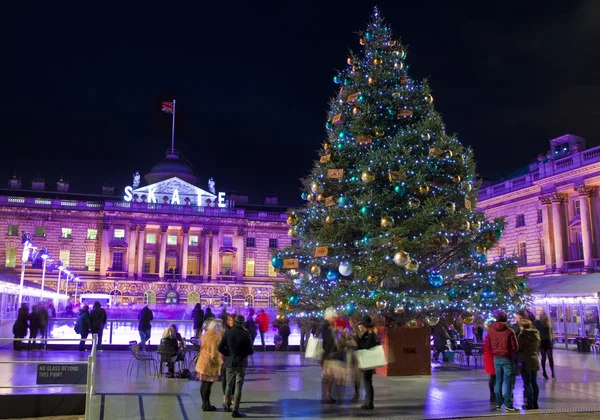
[400, 189]
[369, 35]
[294, 300]
[366, 210]
[453, 293]
[337, 79]
[277, 262]
[366, 239]
[362, 98]
[348, 81]
[482, 257]
[498, 232]
[328, 125]
[345, 268]
[333, 275]
[350, 309]
[436, 280]
[488, 294]
[304, 195]
[342, 200]
[342, 134]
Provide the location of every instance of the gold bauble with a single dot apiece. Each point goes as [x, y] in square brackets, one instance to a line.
[480, 249]
[451, 207]
[466, 225]
[367, 177]
[281, 304]
[316, 187]
[413, 203]
[355, 67]
[401, 258]
[379, 133]
[448, 153]
[432, 321]
[429, 99]
[512, 290]
[399, 310]
[329, 220]
[310, 198]
[444, 241]
[361, 41]
[395, 176]
[355, 110]
[387, 222]
[456, 178]
[423, 189]
[320, 197]
[412, 266]
[293, 219]
[327, 146]
[398, 65]
[315, 270]
[350, 61]
[400, 53]
[468, 319]
[412, 324]
[292, 233]
[435, 152]
[381, 304]
[467, 186]
[426, 137]
[371, 80]
[377, 61]
[476, 225]
[372, 278]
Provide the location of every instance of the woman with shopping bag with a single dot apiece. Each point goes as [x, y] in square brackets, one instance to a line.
[367, 339]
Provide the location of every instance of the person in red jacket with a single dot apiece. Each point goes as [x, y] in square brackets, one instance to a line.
[262, 319]
[502, 342]
[488, 365]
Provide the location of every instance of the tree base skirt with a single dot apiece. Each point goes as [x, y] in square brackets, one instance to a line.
[408, 351]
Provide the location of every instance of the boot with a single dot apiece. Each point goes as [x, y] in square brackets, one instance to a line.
[367, 406]
[546, 376]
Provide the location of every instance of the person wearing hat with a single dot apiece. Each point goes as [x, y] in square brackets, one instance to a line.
[332, 361]
[367, 339]
[236, 346]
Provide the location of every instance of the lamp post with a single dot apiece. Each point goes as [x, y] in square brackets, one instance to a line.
[60, 271]
[27, 246]
[44, 256]
[76, 285]
[69, 276]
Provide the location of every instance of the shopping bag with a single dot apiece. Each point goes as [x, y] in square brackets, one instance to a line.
[314, 348]
[371, 358]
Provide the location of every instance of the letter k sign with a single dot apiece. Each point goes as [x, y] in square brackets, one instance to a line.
[151, 196]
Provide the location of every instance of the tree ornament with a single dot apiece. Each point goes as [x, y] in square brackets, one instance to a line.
[466, 225]
[316, 187]
[372, 278]
[498, 232]
[320, 197]
[315, 270]
[367, 176]
[435, 152]
[412, 266]
[350, 308]
[447, 154]
[345, 268]
[401, 258]
[391, 111]
[304, 195]
[476, 225]
[355, 67]
[377, 61]
[425, 137]
[328, 125]
[292, 233]
[366, 239]
[355, 110]
[277, 262]
[400, 53]
[387, 222]
[522, 286]
[333, 275]
[350, 61]
[281, 304]
[413, 203]
[381, 304]
[444, 241]
[310, 198]
[436, 280]
[293, 219]
[466, 186]
[348, 81]
[398, 65]
[327, 146]
[451, 207]
[429, 99]
[399, 310]
[412, 324]
[337, 79]
[482, 258]
[361, 41]
[369, 35]
[371, 80]
[329, 219]
[468, 319]
[362, 98]
[452, 293]
[400, 189]
[423, 189]
[279, 317]
[480, 249]
[456, 178]
[379, 133]
[432, 321]
[342, 200]
[293, 300]
[366, 210]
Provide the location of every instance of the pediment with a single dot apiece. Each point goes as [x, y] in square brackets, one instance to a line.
[168, 187]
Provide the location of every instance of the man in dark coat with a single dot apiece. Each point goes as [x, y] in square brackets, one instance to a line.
[34, 326]
[198, 318]
[98, 317]
[236, 347]
[145, 318]
[83, 325]
[44, 317]
[21, 325]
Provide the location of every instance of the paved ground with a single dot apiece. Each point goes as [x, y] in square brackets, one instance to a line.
[287, 386]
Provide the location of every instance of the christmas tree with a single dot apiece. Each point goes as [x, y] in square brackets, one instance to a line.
[390, 225]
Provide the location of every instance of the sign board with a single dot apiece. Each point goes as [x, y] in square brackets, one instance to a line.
[60, 373]
[290, 263]
[366, 140]
[321, 251]
[335, 173]
[325, 158]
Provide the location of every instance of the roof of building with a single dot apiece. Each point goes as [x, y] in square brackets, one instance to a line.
[174, 164]
[573, 285]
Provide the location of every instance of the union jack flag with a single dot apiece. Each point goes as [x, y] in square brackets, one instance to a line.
[167, 107]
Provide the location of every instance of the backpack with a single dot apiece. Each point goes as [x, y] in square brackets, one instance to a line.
[185, 374]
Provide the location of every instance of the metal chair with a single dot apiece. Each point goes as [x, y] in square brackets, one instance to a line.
[167, 355]
[137, 356]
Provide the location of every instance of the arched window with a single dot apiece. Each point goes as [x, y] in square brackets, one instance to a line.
[249, 301]
[150, 297]
[172, 298]
[226, 299]
[193, 298]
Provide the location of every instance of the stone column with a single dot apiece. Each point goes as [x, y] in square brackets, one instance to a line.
[206, 256]
[548, 232]
[241, 238]
[586, 226]
[184, 252]
[557, 224]
[105, 251]
[216, 241]
[141, 245]
[163, 252]
[131, 251]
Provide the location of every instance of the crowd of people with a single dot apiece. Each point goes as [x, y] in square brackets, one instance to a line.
[34, 322]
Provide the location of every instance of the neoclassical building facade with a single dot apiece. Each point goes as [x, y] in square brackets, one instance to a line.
[168, 241]
[551, 211]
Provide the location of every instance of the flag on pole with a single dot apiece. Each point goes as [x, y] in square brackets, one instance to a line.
[168, 107]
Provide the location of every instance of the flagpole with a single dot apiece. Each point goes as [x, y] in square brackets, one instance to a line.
[173, 130]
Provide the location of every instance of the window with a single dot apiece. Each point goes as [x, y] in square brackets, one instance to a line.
[150, 297]
[119, 234]
[542, 253]
[172, 298]
[13, 230]
[117, 262]
[40, 231]
[522, 253]
[272, 271]
[11, 257]
[579, 246]
[249, 267]
[151, 238]
[66, 233]
[192, 266]
[501, 251]
[92, 234]
[150, 264]
[226, 264]
[64, 256]
[576, 207]
[193, 298]
[249, 301]
[272, 243]
[520, 220]
[171, 239]
[90, 261]
[540, 216]
[193, 240]
[226, 298]
[251, 242]
[227, 240]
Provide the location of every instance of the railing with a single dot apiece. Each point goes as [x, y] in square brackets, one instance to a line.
[91, 369]
[576, 265]
[195, 278]
[110, 274]
[31, 202]
[269, 216]
[553, 167]
[226, 278]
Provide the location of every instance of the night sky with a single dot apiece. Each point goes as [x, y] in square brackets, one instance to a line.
[82, 85]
